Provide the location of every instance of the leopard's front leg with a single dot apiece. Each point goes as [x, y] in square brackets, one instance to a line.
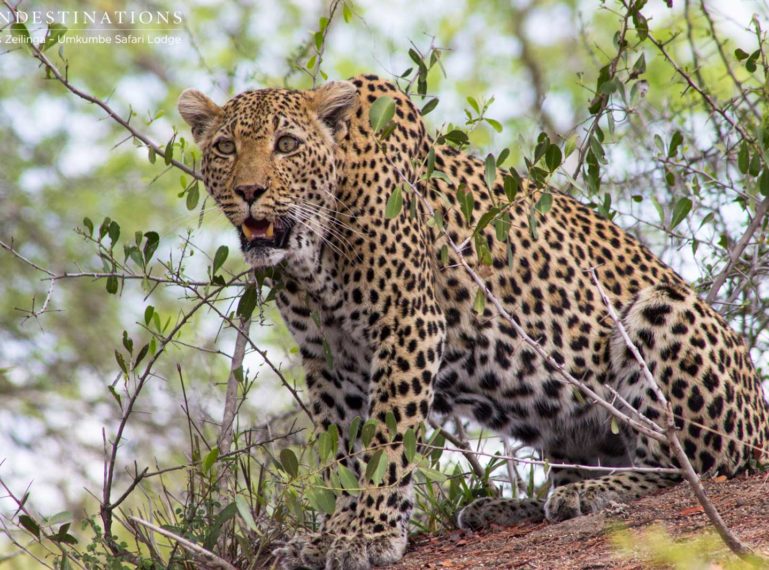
[335, 398]
[401, 384]
[372, 527]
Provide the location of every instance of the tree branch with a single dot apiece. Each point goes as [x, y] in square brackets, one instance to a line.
[738, 249]
[59, 76]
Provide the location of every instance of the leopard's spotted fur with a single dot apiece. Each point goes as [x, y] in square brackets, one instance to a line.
[405, 339]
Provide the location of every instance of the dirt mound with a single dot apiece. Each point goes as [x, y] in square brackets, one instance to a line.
[590, 543]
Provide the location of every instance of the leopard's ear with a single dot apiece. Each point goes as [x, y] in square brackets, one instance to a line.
[198, 111]
[334, 103]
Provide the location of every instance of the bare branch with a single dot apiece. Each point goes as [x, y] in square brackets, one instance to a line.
[231, 399]
[738, 249]
[212, 559]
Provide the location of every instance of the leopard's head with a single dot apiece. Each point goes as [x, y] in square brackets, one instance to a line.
[269, 162]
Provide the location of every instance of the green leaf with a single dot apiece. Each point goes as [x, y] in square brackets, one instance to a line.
[436, 221]
[324, 446]
[445, 255]
[368, 431]
[410, 444]
[743, 157]
[502, 157]
[28, 522]
[114, 232]
[545, 203]
[193, 194]
[750, 64]
[346, 13]
[63, 537]
[209, 460]
[680, 211]
[121, 362]
[20, 30]
[512, 184]
[614, 426]
[479, 303]
[466, 203]
[432, 474]
[533, 225]
[496, 125]
[141, 354]
[289, 462]
[245, 512]
[333, 438]
[658, 207]
[553, 157]
[763, 182]
[52, 35]
[598, 152]
[490, 172]
[641, 26]
[169, 151]
[348, 480]
[148, 312]
[485, 220]
[740, 54]
[328, 354]
[502, 226]
[89, 225]
[675, 142]
[112, 284]
[394, 203]
[153, 239]
[376, 467]
[438, 441]
[322, 500]
[354, 430]
[219, 258]
[457, 137]
[429, 106]
[381, 112]
[755, 165]
[128, 343]
[391, 422]
[247, 302]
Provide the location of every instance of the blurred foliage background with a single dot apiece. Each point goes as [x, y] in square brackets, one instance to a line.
[690, 196]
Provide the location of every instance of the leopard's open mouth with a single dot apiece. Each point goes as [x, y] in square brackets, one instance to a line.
[265, 233]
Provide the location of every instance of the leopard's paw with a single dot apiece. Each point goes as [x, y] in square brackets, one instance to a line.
[307, 551]
[360, 552]
[357, 551]
[486, 511]
[578, 499]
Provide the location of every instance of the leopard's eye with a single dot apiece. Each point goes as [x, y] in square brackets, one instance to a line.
[225, 146]
[287, 144]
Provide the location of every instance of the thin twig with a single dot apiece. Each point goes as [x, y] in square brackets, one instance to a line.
[210, 557]
[462, 447]
[738, 249]
[705, 96]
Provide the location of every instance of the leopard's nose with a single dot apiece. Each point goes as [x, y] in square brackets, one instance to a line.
[250, 192]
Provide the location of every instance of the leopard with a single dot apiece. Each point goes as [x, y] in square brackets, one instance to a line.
[358, 220]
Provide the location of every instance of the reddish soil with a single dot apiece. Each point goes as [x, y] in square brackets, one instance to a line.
[586, 542]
